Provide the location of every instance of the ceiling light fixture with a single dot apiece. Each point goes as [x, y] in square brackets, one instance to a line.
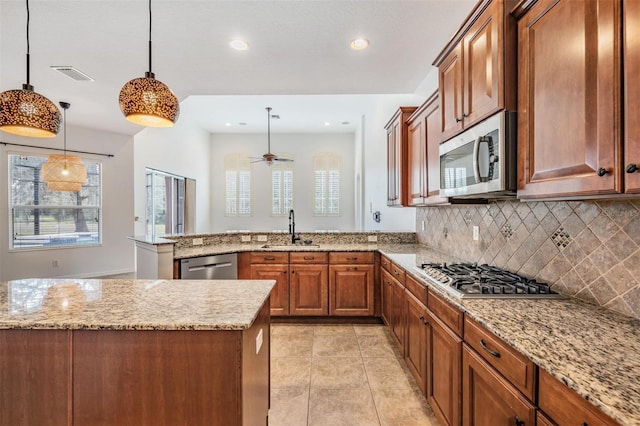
[64, 172]
[359, 43]
[238, 44]
[147, 101]
[27, 113]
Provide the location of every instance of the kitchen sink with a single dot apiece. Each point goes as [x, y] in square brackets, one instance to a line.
[288, 246]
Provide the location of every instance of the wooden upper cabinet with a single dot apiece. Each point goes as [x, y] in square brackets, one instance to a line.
[632, 96]
[397, 174]
[569, 106]
[477, 68]
[423, 154]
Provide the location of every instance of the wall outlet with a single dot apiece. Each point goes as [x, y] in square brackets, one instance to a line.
[245, 238]
[55, 263]
[197, 241]
[476, 233]
[262, 238]
[372, 238]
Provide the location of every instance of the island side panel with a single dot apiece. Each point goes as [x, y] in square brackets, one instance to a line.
[157, 377]
[255, 369]
[35, 377]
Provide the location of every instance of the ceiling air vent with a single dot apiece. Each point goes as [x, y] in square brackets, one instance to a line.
[72, 72]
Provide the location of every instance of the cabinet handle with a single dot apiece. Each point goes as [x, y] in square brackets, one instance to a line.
[631, 168]
[519, 422]
[494, 353]
[584, 424]
[352, 258]
[309, 257]
[602, 171]
[458, 120]
[396, 272]
[352, 269]
[424, 321]
[465, 115]
[269, 258]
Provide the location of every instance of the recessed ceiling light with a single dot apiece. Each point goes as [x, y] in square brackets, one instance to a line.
[359, 44]
[326, 123]
[239, 44]
[227, 124]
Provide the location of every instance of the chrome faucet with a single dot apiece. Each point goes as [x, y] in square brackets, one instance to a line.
[292, 227]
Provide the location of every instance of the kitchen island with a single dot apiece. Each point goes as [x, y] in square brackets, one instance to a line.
[134, 352]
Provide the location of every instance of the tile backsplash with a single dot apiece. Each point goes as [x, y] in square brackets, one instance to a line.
[585, 249]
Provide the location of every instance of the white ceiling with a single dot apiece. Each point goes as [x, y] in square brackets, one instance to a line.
[295, 48]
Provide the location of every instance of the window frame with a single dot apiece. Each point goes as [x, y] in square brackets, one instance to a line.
[11, 207]
[283, 168]
[237, 163]
[327, 162]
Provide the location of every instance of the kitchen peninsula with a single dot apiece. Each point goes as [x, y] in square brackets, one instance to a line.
[134, 352]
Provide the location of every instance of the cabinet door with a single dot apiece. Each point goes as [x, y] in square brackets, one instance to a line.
[398, 314]
[444, 370]
[280, 292]
[416, 340]
[483, 66]
[632, 94]
[387, 297]
[351, 290]
[309, 290]
[488, 398]
[569, 99]
[392, 169]
[450, 76]
[434, 136]
[417, 160]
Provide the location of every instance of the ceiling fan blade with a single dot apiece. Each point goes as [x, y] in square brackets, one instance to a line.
[283, 159]
[257, 161]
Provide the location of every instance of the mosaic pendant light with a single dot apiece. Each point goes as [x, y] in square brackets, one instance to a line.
[27, 113]
[64, 172]
[147, 101]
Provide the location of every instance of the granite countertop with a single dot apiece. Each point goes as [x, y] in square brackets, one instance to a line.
[594, 351]
[131, 304]
[207, 250]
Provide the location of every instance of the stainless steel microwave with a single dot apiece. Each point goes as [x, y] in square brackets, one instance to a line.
[481, 162]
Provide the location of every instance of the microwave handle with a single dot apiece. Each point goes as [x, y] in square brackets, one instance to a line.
[476, 158]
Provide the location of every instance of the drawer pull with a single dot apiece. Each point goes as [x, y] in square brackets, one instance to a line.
[424, 321]
[352, 258]
[352, 269]
[631, 168]
[496, 354]
[519, 422]
[309, 257]
[396, 272]
[584, 424]
[269, 258]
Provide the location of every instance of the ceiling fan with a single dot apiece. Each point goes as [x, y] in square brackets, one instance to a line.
[269, 158]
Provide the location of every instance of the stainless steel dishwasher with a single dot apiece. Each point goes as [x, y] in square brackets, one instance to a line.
[219, 267]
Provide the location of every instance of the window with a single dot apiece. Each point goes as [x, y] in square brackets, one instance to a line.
[237, 185]
[41, 218]
[165, 203]
[326, 169]
[281, 188]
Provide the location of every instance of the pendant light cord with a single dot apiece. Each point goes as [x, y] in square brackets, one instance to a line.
[28, 47]
[150, 72]
[268, 129]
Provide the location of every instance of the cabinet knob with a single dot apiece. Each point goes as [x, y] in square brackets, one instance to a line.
[602, 171]
[458, 120]
[519, 422]
[631, 168]
[465, 115]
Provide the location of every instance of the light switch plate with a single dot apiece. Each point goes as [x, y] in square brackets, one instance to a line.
[262, 238]
[476, 233]
[197, 241]
[372, 238]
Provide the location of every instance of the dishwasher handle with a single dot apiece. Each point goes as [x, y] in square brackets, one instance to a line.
[211, 265]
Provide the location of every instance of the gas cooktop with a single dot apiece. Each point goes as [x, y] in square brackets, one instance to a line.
[470, 280]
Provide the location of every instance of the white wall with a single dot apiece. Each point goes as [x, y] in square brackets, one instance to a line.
[116, 254]
[300, 147]
[181, 150]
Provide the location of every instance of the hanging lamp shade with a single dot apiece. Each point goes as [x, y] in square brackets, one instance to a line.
[27, 113]
[64, 172]
[147, 101]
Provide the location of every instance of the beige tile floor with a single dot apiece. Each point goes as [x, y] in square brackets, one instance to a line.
[348, 375]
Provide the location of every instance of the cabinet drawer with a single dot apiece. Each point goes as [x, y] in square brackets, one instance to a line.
[308, 257]
[514, 366]
[416, 289]
[385, 263]
[448, 314]
[564, 406]
[351, 257]
[269, 257]
[398, 273]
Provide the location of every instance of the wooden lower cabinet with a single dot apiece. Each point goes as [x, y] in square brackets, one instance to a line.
[489, 399]
[444, 370]
[387, 296]
[417, 340]
[398, 314]
[351, 290]
[309, 290]
[280, 292]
